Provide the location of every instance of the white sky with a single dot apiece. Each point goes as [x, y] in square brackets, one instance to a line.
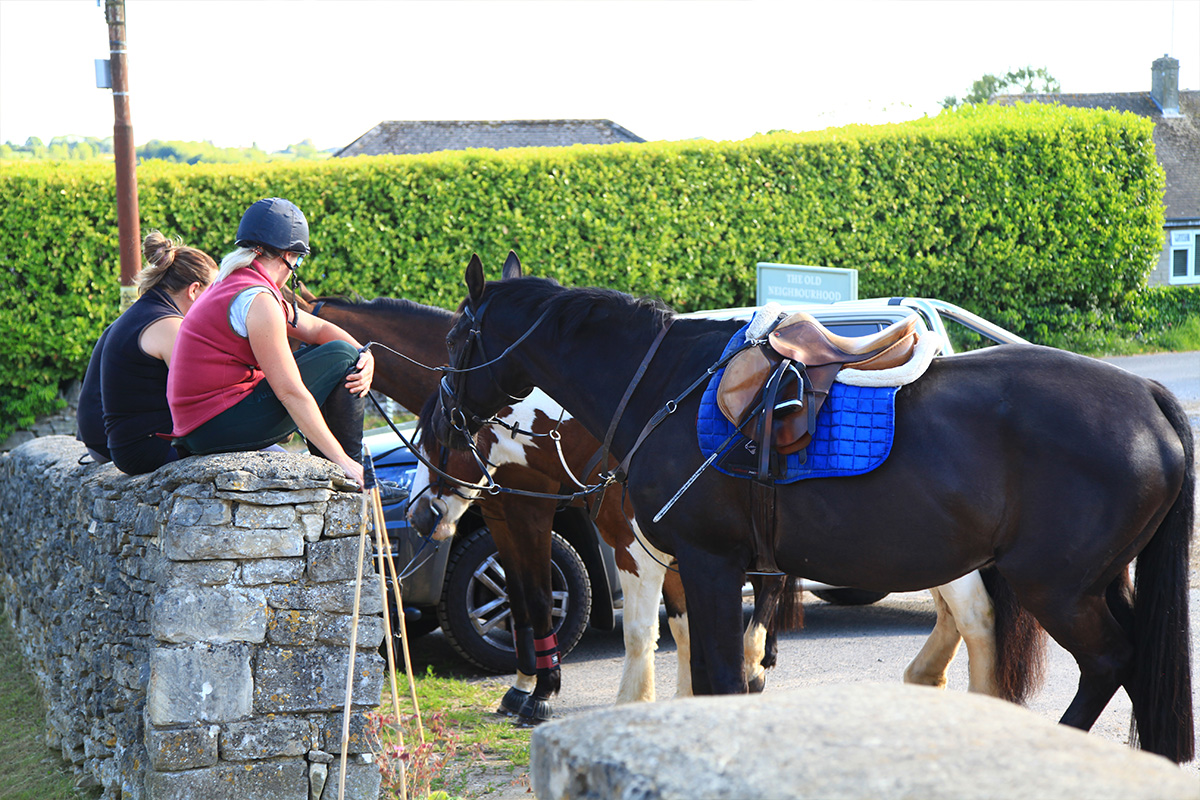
[274, 72]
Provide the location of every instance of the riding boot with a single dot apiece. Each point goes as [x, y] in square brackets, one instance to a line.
[343, 413]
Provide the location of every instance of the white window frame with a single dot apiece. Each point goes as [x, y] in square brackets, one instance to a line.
[1183, 240]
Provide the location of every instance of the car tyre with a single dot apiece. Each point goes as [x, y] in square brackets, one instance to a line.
[849, 597]
[474, 612]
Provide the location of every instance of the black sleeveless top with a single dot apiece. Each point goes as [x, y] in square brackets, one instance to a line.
[133, 384]
[89, 416]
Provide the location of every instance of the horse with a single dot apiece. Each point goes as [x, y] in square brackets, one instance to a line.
[1005, 646]
[1057, 469]
[535, 436]
[521, 525]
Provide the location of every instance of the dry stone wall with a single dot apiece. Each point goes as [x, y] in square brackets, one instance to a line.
[189, 630]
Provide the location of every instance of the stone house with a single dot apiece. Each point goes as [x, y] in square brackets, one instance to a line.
[400, 137]
[1176, 117]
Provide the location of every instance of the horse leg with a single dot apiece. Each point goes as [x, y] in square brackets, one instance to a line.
[677, 621]
[524, 548]
[929, 666]
[971, 608]
[758, 642]
[1085, 627]
[639, 620]
[713, 585]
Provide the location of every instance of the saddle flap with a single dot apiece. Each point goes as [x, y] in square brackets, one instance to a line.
[741, 385]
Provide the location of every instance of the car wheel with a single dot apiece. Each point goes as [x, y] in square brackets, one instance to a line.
[474, 612]
[849, 597]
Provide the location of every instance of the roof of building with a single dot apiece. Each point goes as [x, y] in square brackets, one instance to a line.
[427, 136]
[1176, 138]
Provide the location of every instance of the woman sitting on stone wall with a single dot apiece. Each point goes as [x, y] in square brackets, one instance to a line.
[243, 388]
[123, 404]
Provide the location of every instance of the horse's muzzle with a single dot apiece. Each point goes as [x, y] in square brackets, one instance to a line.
[425, 515]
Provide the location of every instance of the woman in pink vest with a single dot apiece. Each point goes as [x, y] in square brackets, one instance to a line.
[235, 383]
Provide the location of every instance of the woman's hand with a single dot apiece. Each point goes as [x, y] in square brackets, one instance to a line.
[359, 381]
[353, 470]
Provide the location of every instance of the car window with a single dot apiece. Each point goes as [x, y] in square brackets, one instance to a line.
[854, 328]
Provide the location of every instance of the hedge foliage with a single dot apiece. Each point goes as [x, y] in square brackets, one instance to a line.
[1015, 212]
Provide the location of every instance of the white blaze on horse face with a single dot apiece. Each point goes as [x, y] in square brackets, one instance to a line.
[455, 503]
[510, 449]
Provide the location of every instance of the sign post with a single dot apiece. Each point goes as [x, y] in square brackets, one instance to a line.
[791, 283]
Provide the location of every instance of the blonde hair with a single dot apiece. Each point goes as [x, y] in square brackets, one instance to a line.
[241, 257]
[172, 265]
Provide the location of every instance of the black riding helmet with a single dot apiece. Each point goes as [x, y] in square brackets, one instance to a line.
[276, 223]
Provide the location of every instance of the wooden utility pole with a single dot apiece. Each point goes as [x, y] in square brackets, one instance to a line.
[129, 232]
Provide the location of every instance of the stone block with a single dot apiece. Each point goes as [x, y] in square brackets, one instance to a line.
[344, 515]
[363, 782]
[200, 683]
[243, 481]
[272, 570]
[280, 497]
[267, 737]
[292, 628]
[175, 749]
[189, 512]
[335, 629]
[312, 525]
[196, 573]
[329, 727]
[252, 515]
[337, 598]
[202, 543]
[278, 779]
[849, 742]
[217, 614]
[335, 559]
[313, 679]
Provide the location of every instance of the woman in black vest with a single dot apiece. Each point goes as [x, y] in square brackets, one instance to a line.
[126, 381]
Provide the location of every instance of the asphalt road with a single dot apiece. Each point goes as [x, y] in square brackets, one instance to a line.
[863, 644]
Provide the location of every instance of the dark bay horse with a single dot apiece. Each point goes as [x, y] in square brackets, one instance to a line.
[1057, 469]
[521, 525]
[1005, 646]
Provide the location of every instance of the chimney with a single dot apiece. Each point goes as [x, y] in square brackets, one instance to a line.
[1164, 85]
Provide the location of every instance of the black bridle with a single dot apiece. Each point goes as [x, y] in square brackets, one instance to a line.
[460, 418]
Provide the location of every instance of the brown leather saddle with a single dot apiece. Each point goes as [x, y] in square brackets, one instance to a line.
[787, 382]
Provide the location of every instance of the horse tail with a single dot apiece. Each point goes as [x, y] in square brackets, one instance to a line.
[789, 615]
[1162, 679]
[1020, 641]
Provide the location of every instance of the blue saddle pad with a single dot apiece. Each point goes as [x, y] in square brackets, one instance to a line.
[854, 432]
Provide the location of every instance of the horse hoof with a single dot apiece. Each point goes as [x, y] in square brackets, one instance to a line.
[756, 684]
[513, 702]
[535, 711]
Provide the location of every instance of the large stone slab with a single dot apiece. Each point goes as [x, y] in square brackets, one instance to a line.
[849, 742]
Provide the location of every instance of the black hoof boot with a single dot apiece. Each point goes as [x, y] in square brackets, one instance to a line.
[513, 702]
[535, 711]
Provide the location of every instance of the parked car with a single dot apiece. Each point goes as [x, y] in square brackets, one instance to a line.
[459, 584]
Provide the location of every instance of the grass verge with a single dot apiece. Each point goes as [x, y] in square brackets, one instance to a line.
[32, 771]
[468, 751]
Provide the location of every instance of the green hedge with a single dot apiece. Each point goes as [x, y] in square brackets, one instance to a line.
[1007, 211]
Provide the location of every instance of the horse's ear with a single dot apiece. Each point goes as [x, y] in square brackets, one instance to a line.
[512, 266]
[474, 278]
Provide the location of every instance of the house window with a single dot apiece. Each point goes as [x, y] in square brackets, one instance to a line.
[1185, 256]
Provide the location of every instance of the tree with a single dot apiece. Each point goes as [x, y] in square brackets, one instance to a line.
[1024, 80]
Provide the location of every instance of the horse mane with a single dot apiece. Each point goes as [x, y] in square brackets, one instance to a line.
[385, 304]
[572, 307]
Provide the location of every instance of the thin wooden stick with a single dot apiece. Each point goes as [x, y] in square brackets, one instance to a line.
[362, 546]
[387, 635]
[412, 686]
